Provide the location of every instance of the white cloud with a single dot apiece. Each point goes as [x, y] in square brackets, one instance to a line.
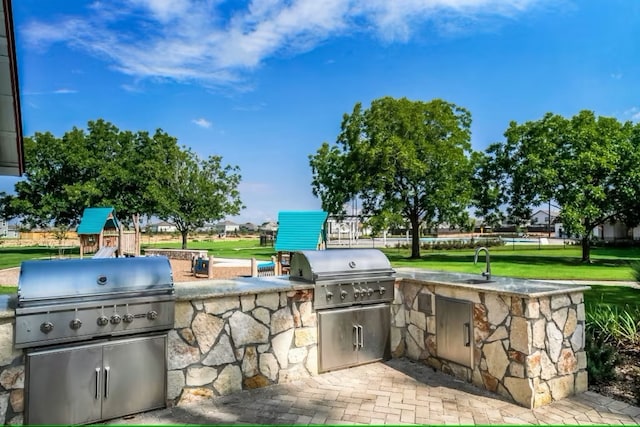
[616, 76]
[64, 91]
[203, 123]
[633, 113]
[205, 41]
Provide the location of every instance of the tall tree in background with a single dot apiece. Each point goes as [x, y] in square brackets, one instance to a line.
[100, 167]
[399, 157]
[197, 191]
[588, 165]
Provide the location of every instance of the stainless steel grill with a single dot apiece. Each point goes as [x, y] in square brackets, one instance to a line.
[95, 334]
[353, 289]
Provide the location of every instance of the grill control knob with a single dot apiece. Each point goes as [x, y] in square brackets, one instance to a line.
[103, 321]
[115, 319]
[343, 294]
[370, 291]
[75, 324]
[329, 294]
[381, 290]
[127, 318]
[46, 327]
[152, 315]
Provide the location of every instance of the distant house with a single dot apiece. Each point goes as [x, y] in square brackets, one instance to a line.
[269, 226]
[162, 227]
[227, 227]
[4, 228]
[543, 217]
[248, 226]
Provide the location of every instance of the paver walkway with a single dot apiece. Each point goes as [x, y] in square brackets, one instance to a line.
[395, 392]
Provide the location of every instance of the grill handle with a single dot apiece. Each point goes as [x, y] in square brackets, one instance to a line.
[97, 383]
[361, 336]
[106, 381]
[466, 334]
[355, 334]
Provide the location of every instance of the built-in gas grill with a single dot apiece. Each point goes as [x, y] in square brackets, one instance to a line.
[353, 289]
[95, 334]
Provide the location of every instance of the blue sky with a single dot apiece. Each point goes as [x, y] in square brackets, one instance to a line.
[263, 83]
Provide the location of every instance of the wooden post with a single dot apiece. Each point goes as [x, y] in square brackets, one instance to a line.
[210, 268]
[277, 270]
[254, 268]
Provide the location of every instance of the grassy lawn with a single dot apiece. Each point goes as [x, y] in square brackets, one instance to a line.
[13, 256]
[528, 262]
[242, 248]
[622, 297]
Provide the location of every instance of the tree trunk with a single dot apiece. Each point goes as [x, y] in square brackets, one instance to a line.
[136, 227]
[586, 249]
[184, 238]
[415, 238]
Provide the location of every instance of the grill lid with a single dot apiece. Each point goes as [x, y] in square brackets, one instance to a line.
[314, 266]
[94, 277]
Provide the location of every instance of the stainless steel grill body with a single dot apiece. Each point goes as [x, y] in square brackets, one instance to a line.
[353, 289]
[95, 333]
[71, 300]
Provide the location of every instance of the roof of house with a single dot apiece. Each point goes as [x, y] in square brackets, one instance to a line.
[94, 220]
[299, 230]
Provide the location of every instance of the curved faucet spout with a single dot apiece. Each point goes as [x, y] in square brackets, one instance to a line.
[487, 272]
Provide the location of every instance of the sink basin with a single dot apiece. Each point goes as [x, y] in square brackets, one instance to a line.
[477, 281]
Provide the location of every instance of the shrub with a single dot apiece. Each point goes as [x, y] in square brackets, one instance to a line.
[602, 356]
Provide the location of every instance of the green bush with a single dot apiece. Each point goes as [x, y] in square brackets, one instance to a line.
[602, 356]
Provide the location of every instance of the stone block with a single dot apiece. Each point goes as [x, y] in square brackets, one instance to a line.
[263, 315]
[183, 314]
[307, 315]
[281, 345]
[571, 323]
[199, 376]
[222, 305]
[496, 357]
[247, 302]
[312, 360]
[16, 399]
[561, 386]
[175, 383]
[250, 362]
[7, 352]
[246, 330]
[270, 301]
[229, 380]
[558, 301]
[305, 336]
[554, 341]
[567, 362]
[297, 355]
[257, 381]
[520, 335]
[206, 328]
[419, 319]
[521, 390]
[559, 316]
[180, 354]
[281, 320]
[195, 396]
[532, 309]
[581, 382]
[12, 377]
[269, 366]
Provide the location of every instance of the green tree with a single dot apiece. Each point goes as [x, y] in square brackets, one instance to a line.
[588, 165]
[399, 157]
[102, 166]
[198, 191]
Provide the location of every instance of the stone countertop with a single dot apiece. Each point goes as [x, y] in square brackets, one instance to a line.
[186, 291]
[500, 285]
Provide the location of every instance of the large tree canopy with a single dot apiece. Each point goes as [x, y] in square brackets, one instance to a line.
[198, 191]
[588, 165]
[100, 167]
[400, 157]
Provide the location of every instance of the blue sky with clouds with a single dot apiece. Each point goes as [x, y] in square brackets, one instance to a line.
[264, 82]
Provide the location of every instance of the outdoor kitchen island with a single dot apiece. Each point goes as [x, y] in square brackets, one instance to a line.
[522, 339]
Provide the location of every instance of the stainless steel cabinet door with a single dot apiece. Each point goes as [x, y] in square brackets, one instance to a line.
[454, 331]
[337, 333]
[135, 375]
[63, 386]
[374, 335]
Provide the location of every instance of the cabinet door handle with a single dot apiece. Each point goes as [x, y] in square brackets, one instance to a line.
[97, 383]
[355, 335]
[467, 334]
[361, 336]
[106, 381]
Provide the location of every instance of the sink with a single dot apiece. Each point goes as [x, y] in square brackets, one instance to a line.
[477, 281]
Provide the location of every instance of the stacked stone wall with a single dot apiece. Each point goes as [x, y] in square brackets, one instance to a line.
[223, 345]
[11, 376]
[187, 254]
[530, 350]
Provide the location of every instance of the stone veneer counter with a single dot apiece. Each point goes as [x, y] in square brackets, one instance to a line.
[502, 285]
[523, 339]
[240, 286]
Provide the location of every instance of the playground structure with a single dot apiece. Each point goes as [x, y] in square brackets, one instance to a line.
[102, 235]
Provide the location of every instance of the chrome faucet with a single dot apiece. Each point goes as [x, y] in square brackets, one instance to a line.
[486, 273]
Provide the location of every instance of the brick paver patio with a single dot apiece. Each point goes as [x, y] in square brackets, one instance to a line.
[395, 392]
